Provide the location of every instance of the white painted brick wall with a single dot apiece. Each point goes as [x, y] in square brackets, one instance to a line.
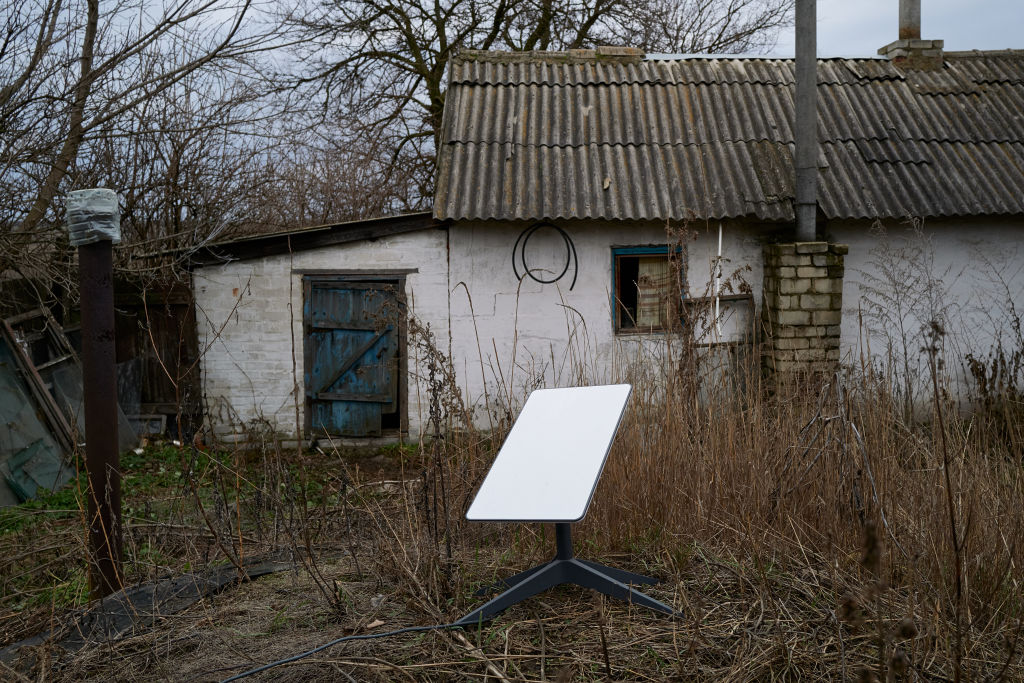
[243, 318]
[532, 334]
[517, 336]
[978, 270]
[563, 337]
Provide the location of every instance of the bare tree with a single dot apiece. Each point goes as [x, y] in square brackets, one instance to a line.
[77, 74]
[383, 63]
[325, 175]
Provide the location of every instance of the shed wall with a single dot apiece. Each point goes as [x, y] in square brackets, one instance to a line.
[514, 337]
[249, 316]
[507, 336]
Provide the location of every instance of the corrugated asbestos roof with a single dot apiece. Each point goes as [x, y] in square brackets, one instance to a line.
[548, 135]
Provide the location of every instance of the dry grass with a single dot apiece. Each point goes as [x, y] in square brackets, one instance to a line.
[803, 529]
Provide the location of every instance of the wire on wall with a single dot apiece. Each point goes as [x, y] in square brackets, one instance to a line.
[519, 255]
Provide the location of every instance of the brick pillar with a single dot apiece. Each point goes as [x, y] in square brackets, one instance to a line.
[802, 306]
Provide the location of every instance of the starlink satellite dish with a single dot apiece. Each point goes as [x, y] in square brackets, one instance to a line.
[546, 471]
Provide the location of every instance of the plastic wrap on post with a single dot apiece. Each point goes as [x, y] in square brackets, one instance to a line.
[93, 215]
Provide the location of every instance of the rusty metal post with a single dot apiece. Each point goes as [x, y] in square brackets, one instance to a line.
[93, 227]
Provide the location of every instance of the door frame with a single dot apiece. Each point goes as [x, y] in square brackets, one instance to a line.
[394, 278]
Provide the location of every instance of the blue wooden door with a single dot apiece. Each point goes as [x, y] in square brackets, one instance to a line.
[351, 351]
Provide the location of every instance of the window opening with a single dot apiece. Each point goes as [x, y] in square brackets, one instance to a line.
[647, 293]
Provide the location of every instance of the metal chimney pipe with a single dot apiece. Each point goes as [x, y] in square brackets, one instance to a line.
[806, 119]
[910, 19]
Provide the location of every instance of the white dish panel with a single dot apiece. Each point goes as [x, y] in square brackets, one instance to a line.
[548, 467]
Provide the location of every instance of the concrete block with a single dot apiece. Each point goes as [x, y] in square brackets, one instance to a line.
[786, 366]
[828, 317]
[825, 285]
[809, 355]
[799, 286]
[815, 302]
[811, 247]
[791, 343]
[811, 271]
[796, 317]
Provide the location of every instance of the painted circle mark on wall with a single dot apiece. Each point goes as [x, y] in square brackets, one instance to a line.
[548, 273]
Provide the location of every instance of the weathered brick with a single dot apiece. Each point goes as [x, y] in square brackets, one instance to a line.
[839, 248]
[796, 317]
[809, 355]
[811, 247]
[836, 272]
[828, 317]
[815, 302]
[791, 343]
[834, 330]
[787, 272]
[820, 259]
[800, 286]
[811, 271]
[825, 285]
[837, 301]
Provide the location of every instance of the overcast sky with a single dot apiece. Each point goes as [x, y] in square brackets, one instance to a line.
[857, 28]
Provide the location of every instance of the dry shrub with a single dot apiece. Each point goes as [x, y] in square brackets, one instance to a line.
[803, 527]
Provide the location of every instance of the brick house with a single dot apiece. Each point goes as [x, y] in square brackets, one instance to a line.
[585, 198]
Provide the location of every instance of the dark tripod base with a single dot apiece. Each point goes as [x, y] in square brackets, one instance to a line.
[564, 569]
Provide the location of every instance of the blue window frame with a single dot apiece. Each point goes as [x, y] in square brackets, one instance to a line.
[646, 288]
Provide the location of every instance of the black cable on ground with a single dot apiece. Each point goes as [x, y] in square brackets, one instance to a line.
[365, 636]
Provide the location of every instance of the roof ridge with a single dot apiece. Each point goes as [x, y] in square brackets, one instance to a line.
[628, 55]
[1009, 52]
[602, 53]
